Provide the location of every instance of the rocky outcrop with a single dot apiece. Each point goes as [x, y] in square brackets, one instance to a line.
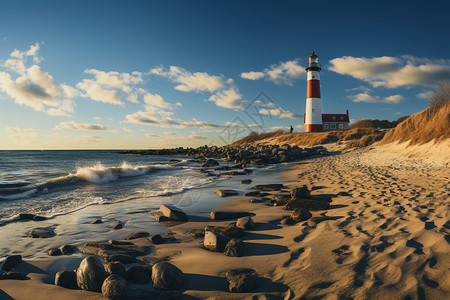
[122, 253]
[231, 231]
[166, 276]
[114, 287]
[241, 280]
[234, 248]
[226, 193]
[117, 268]
[245, 223]
[42, 232]
[269, 187]
[66, 279]
[173, 213]
[210, 163]
[91, 274]
[300, 214]
[215, 241]
[157, 239]
[11, 261]
[137, 235]
[13, 275]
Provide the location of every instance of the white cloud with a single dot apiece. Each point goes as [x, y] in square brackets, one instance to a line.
[276, 128]
[281, 73]
[115, 80]
[196, 137]
[66, 108]
[279, 112]
[80, 126]
[425, 95]
[170, 133]
[93, 90]
[151, 135]
[392, 72]
[252, 75]
[18, 59]
[155, 100]
[22, 133]
[190, 81]
[364, 97]
[299, 126]
[155, 119]
[229, 98]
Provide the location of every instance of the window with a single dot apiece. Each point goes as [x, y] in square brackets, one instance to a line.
[325, 126]
[334, 117]
[341, 126]
[342, 118]
[333, 126]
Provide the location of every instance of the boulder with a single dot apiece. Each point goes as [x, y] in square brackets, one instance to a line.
[66, 279]
[114, 287]
[91, 274]
[11, 261]
[256, 200]
[117, 225]
[55, 252]
[306, 203]
[253, 193]
[301, 192]
[13, 275]
[269, 187]
[227, 215]
[67, 249]
[231, 231]
[197, 233]
[115, 267]
[215, 241]
[288, 221]
[234, 248]
[166, 276]
[246, 181]
[226, 193]
[97, 221]
[42, 232]
[157, 239]
[114, 242]
[245, 223]
[137, 235]
[301, 214]
[210, 163]
[31, 217]
[139, 274]
[173, 213]
[241, 280]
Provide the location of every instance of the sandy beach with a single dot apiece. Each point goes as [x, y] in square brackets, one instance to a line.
[386, 236]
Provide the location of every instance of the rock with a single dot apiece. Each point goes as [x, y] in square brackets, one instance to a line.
[97, 221]
[66, 279]
[301, 214]
[253, 193]
[197, 233]
[226, 193]
[288, 221]
[170, 236]
[306, 203]
[139, 274]
[162, 218]
[227, 215]
[55, 252]
[137, 235]
[234, 248]
[173, 213]
[67, 249]
[11, 261]
[245, 223]
[42, 232]
[268, 187]
[114, 287]
[118, 225]
[115, 267]
[231, 231]
[91, 274]
[114, 242]
[166, 276]
[13, 275]
[256, 200]
[301, 192]
[31, 217]
[157, 239]
[246, 181]
[215, 241]
[241, 280]
[210, 163]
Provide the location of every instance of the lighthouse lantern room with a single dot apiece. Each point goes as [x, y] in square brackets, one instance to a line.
[313, 113]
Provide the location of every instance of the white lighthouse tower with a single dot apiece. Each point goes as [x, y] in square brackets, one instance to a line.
[313, 113]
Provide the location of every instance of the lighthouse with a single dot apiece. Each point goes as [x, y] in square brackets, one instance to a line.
[313, 113]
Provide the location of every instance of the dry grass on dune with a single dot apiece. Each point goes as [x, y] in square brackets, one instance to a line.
[358, 137]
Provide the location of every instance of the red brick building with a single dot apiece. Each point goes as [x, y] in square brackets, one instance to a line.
[332, 122]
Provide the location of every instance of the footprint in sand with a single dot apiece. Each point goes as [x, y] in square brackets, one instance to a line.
[342, 253]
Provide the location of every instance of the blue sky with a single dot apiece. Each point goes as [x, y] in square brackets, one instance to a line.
[154, 74]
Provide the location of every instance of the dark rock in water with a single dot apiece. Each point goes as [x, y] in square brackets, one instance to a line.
[306, 203]
[215, 241]
[245, 223]
[139, 274]
[269, 187]
[166, 276]
[117, 268]
[114, 287]
[66, 279]
[39, 218]
[264, 194]
[91, 274]
[31, 217]
[246, 181]
[157, 239]
[301, 192]
[173, 213]
[242, 280]
[118, 225]
[210, 163]
[42, 232]
[197, 233]
[55, 252]
[97, 221]
[162, 218]
[282, 197]
[253, 193]
[137, 235]
[301, 214]
[227, 215]
[11, 261]
[114, 242]
[230, 231]
[67, 249]
[13, 275]
[226, 193]
[234, 248]
[288, 221]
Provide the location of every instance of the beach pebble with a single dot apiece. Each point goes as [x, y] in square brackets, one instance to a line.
[67, 249]
[137, 235]
[118, 225]
[234, 248]
[115, 267]
[66, 279]
[55, 252]
[13, 275]
[246, 181]
[241, 280]
[166, 276]
[252, 193]
[301, 192]
[97, 221]
[215, 241]
[11, 261]
[91, 274]
[42, 232]
[139, 274]
[114, 287]
[245, 223]
[210, 163]
[227, 215]
[226, 193]
[231, 231]
[301, 214]
[157, 239]
[173, 213]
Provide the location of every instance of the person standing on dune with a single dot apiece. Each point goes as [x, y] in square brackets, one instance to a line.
[291, 130]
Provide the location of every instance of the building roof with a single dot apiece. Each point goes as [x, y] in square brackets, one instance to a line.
[335, 118]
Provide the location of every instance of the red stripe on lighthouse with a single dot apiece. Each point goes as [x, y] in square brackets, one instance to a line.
[313, 127]
[313, 89]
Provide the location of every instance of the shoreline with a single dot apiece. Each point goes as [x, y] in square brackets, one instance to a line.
[379, 231]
